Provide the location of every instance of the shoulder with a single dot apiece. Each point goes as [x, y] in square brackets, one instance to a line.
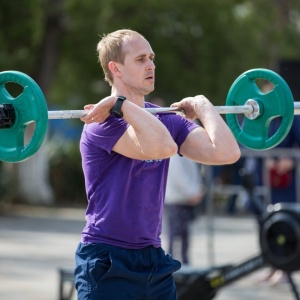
[112, 128]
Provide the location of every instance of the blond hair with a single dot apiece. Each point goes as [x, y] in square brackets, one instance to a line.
[109, 49]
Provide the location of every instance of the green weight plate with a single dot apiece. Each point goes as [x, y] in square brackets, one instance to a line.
[279, 102]
[30, 107]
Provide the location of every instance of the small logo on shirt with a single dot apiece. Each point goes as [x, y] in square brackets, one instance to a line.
[152, 160]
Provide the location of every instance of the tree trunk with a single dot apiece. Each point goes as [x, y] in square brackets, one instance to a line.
[33, 174]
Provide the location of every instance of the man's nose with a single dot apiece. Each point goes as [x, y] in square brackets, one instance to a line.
[151, 65]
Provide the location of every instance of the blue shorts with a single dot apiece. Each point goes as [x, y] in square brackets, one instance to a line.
[105, 272]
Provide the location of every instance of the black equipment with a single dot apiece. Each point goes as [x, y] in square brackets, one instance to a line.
[279, 238]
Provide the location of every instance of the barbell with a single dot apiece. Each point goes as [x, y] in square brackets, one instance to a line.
[244, 97]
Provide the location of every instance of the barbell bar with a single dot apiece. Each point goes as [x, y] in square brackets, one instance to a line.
[247, 109]
[244, 109]
[75, 114]
[244, 97]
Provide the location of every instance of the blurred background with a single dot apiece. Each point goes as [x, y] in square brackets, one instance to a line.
[201, 48]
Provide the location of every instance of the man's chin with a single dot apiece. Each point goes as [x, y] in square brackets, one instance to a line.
[148, 91]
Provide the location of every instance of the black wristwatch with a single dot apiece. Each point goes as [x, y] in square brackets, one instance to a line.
[116, 110]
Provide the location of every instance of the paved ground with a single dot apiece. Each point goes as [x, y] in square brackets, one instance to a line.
[36, 242]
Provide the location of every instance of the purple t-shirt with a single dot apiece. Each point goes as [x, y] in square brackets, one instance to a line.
[125, 196]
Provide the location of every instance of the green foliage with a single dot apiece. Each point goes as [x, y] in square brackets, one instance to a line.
[201, 46]
[66, 175]
[20, 34]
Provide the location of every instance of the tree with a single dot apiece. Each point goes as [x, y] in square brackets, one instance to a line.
[43, 28]
[201, 46]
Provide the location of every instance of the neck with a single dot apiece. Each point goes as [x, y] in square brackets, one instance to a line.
[130, 96]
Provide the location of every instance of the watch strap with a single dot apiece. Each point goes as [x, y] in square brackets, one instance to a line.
[116, 110]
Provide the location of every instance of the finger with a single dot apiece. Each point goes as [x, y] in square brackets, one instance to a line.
[89, 118]
[89, 106]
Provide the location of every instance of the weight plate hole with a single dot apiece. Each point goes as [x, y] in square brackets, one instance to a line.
[275, 123]
[264, 85]
[14, 89]
[29, 130]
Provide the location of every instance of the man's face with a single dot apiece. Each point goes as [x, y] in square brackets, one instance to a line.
[138, 71]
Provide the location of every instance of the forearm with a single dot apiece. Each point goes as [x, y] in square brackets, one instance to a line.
[212, 144]
[146, 137]
[151, 136]
[218, 132]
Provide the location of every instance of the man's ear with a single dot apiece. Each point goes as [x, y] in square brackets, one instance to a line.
[114, 68]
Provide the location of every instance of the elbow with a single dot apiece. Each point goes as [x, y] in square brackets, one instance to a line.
[162, 150]
[232, 156]
[170, 150]
[225, 156]
[235, 155]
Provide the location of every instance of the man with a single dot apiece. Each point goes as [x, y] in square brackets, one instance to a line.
[125, 156]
